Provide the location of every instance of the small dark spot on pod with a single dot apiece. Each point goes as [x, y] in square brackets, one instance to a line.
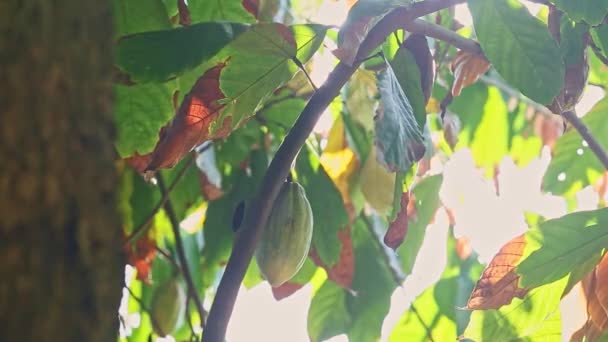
[237, 217]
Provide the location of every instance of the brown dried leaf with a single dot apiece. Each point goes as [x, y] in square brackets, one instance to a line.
[595, 311]
[210, 191]
[498, 284]
[251, 6]
[190, 126]
[467, 68]
[343, 271]
[587, 333]
[285, 290]
[397, 230]
[601, 284]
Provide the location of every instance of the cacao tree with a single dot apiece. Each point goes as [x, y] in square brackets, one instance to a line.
[452, 152]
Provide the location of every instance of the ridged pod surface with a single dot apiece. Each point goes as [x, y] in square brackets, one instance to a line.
[168, 304]
[285, 241]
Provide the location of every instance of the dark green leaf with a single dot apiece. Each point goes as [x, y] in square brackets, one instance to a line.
[327, 206]
[139, 113]
[573, 38]
[600, 37]
[563, 244]
[409, 76]
[399, 139]
[520, 47]
[136, 16]
[591, 11]
[574, 165]
[160, 55]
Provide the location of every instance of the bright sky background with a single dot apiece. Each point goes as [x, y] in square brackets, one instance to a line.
[486, 219]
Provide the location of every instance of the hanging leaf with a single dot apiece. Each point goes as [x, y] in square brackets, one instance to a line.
[141, 256]
[328, 314]
[467, 68]
[360, 92]
[161, 55]
[136, 16]
[377, 184]
[327, 206]
[397, 230]
[520, 47]
[399, 139]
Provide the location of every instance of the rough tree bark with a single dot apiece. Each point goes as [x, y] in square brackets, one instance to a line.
[61, 268]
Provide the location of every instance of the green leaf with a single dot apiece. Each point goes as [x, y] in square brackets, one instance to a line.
[533, 318]
[327, 315]
[574, 165]
[259, 61]
[219, 10]
[187, 192]
[160, 55]
[140, 111]
[573, 40]
[426, 194]
[399, 139]
[372, 283]
[326, 204]
[591, 11]
[408, 74]
[563, 244]
[136, 16]
[491, 140]
[520, 47]
[600, 37]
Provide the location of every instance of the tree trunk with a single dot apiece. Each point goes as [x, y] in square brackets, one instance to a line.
[61, 266]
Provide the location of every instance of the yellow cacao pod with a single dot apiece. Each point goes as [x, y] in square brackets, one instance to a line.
[285, 241]
[168, 304]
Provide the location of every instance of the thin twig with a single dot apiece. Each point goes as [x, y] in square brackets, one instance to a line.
[583, 130]
[258, 212]
[168, 257]
[181, 253]
[146, 223]
[598, 52]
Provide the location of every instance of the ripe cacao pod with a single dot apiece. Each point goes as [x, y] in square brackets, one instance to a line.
[285, 241]
[168, 305]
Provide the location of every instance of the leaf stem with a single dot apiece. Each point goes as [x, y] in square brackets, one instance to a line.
[181, 253]
[258, 212]
[584, 131]
[441, 33]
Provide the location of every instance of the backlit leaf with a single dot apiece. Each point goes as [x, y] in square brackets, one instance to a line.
[520, 47]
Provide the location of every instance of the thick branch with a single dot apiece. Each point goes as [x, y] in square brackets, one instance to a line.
[181, 253]
[257, 213]
[441, 33]
[583, 130]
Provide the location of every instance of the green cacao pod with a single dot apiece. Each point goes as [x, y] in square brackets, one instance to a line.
[285, 241]
[168, 304]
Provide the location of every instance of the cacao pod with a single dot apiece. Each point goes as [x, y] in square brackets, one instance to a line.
[168, 304]
[285, 241]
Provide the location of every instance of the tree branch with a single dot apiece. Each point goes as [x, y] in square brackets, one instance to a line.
[257, 213]
[181, 253]
[441, 33]
[583, 130]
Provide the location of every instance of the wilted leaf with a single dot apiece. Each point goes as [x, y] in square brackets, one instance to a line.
[399, 139]
[190, 126]
[342, 272]
[498, 284]
[520, 47]
[397, 230]
[467, 68]
[601, 286]
[141, 256]
[597, 315]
